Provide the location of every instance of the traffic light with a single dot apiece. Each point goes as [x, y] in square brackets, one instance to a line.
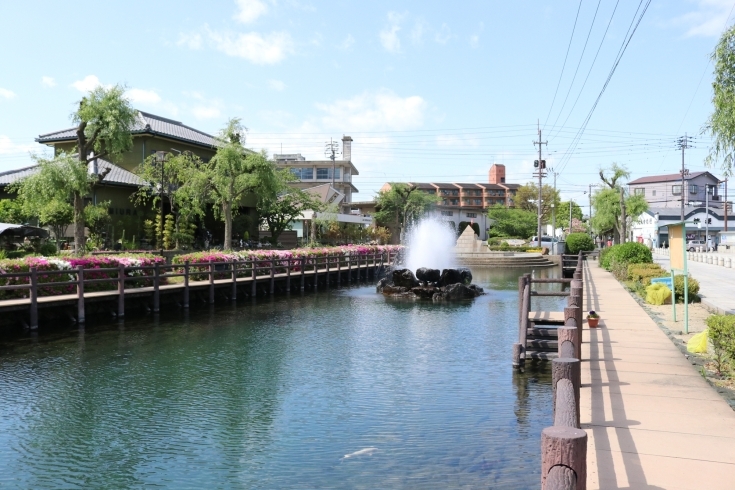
[543, 163]
[539, 163]
[535, 163]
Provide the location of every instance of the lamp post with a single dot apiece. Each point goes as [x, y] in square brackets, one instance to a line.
[161, 158]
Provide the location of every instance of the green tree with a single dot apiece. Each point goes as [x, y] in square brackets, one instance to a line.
[175, 178]
[277, 210]
[11, 211]
[104, 121]
[613, 206]
[57, 214]
[721, 123]
[526, 198]
[562, 213]
[97, 217]
[401, 205]
[511, 222]
[233, 173]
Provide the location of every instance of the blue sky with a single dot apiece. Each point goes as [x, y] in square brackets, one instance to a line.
[429, 91]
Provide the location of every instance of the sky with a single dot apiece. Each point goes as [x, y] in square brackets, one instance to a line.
[429, 91]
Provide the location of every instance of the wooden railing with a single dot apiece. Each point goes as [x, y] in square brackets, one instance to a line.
[236, 272]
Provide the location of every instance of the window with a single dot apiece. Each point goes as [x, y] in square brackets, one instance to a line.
[676, 190]
[447, 213]
[640, 191]
[653, 192]
[303, 173]
[454, 202]
[472, 215]
[322, 173]
[693, 189]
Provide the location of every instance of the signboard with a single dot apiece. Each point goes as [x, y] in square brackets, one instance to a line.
[677, 246]
[666, 281]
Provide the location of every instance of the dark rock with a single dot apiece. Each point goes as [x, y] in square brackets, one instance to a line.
[428, 275]
[477, 289]
[404, 278]
[466, 276]
[450, 276]
[424, 292]
[386, 281]
[458, 291]
[395, 290]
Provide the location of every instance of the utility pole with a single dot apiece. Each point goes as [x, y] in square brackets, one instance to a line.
[706, 217]
[553, 216]
[330, 150]
[683, 144]
[541, 166]
[590, 213]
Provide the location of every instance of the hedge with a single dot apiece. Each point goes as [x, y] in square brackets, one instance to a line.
[626, 253]
[577, 242]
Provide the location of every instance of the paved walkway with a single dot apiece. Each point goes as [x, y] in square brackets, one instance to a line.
[716, 283]
[652, 421]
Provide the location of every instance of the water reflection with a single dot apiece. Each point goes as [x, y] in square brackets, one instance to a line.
[275, 394]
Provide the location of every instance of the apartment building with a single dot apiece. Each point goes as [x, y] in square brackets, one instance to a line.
[312, 173]
[469, 201]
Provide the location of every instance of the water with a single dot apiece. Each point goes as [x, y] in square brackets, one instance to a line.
[274, 395]
[431, 244]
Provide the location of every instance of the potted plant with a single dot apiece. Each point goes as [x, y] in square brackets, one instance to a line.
[592, 319]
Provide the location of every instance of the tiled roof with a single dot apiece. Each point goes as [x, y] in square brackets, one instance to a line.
[115, 176]
[146, 123]
[664, 178]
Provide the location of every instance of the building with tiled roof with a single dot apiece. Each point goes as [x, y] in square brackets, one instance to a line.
[665, 191]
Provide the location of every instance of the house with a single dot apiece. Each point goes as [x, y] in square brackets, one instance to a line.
[311, 173]
[468, 201]
[665, 191]
[701, 224]
[151, 134]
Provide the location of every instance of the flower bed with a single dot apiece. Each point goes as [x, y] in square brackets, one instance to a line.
[199, 261]
[89, 263]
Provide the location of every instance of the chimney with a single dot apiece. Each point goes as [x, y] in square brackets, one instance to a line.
[496, 175]
[347, 148]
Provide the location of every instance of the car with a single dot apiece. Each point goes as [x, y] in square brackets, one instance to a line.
[546, 241]
[692, 245]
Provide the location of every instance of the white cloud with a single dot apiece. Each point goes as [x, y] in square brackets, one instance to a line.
[205, 108]
[141, 96]
[7, 147]
[254, 47]
[417, 33]
[347, 43]
[276, 85]
[48, 81]
[374, 111]
[443, 35]
[7, 94]
[191, 41]
[708, 20]
[90, 82]
[389, 35]
[474, 41]
[249, 10]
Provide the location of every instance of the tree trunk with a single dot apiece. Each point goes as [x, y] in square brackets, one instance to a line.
[227, 213]
[79, 242]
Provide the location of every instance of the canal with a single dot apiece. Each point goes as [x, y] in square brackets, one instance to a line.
[334, 389]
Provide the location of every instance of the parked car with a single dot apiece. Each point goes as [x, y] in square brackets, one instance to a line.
[546, 241]
[692, 245]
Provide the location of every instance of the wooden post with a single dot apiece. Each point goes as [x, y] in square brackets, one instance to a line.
[234, 279]
[186, 284]
[349, 268]
[569, 369]
[211, 282]
[303, 271]
[524, 322]
[567, 339]
[254, 283]
[339, 269]
[288, 274]
[327, 267]
[574, 313]
[521, 284]
[120, 290]
[517, 350]
[34, 298]
[156, 293]
[273, 276]
[564, 446]
[80, 294]
[561, 477]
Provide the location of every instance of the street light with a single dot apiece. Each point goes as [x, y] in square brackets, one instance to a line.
[161, 158]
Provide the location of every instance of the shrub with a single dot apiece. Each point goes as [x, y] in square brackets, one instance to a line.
[47, 248]
[643, 273]
[577, 242]
[721, 332]
[619, 269]
[628, 253]
[657, 294]
[693, 289]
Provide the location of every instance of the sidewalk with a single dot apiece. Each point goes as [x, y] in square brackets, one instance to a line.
[652, 420]
[716, 283]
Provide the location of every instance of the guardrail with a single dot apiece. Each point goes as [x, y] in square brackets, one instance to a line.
[155, 277]
[699, 255]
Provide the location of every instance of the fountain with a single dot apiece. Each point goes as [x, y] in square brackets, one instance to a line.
[430, 267]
